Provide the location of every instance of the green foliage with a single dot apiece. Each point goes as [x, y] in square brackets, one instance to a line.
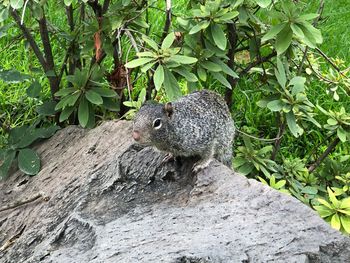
[278, 185]
[135, 105]
[86, 94]
[338, 122]
[20, 138]
[335, 211]
[250, 161]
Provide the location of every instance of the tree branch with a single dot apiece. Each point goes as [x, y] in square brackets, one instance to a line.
[277, 145]
[30, 38]
[50, 65]
[319, 11]
[167, 19]
[329, 149]
[257, 62]
[105, 6]
[232, 38]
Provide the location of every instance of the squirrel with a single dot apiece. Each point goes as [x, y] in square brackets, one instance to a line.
[198, 124]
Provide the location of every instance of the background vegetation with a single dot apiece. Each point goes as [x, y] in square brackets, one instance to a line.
[81, 62]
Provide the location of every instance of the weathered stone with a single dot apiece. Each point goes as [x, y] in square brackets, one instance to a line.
[112, 201]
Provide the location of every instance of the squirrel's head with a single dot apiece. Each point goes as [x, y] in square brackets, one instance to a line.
[151, 123]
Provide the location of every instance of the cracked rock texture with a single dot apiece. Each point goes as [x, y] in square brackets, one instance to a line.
[112, 201]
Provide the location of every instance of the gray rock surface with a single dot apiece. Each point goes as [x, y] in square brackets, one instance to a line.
[110, 201]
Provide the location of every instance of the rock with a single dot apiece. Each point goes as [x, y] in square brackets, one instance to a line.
[99, 198]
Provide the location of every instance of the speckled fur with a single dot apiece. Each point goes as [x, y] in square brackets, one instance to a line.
[200, 125]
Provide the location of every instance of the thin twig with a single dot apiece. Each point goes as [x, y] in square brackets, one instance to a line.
[260, 139]
[232, 39]
[257, 62]
[30, 38]
[24, 201]
[315, 22]
[167, 19]
[281, 130]
[329, 149]
[329, 60]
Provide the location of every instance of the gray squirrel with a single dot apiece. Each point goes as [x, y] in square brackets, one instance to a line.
[198, 124]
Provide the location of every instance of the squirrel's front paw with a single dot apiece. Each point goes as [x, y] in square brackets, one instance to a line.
[200, 165]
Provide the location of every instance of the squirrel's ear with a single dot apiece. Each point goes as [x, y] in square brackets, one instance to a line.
[168, 107]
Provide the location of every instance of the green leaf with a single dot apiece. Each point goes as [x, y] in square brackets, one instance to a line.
[298, 85]
[28, 161]
[345, 222]
[332, 198]
[150, 42]
[238, 161]
[47, 108]
[335, 222]
[183, 59]
[345, 203]
[316, 33]
[280, 73]
[284, 39]
[32, 134]
[280, 184]
[72, 99]
[93, 97]
[297, 30]
[201, 74]
[66, 113]
[138, 62]
[65, 92]
[246, 169]
[211, 66]
[310, 36]
[292, 125]
[34, 89]
[263, 3]
[146, 54]
[171, 85]
[325, 203]
[13, 76]
[307, 17]
[9, 156]
[221, 79]
[17, 133]
[158, 77]
[104, 92]
[111, 104]
[275, 105]
[168, 41]
[218, 36]
[323, 211]
[226, 69]
[187, 74]
[16, 4]
[273, 32]
[68, 2]
[201, 25]
[341, 133]
[4, 14]
[147, 67]
[229, 16]
[83, 112]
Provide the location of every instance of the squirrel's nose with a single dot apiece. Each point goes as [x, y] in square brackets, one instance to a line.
[136, 135]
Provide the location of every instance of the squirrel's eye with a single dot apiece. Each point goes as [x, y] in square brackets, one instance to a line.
[157, 123]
